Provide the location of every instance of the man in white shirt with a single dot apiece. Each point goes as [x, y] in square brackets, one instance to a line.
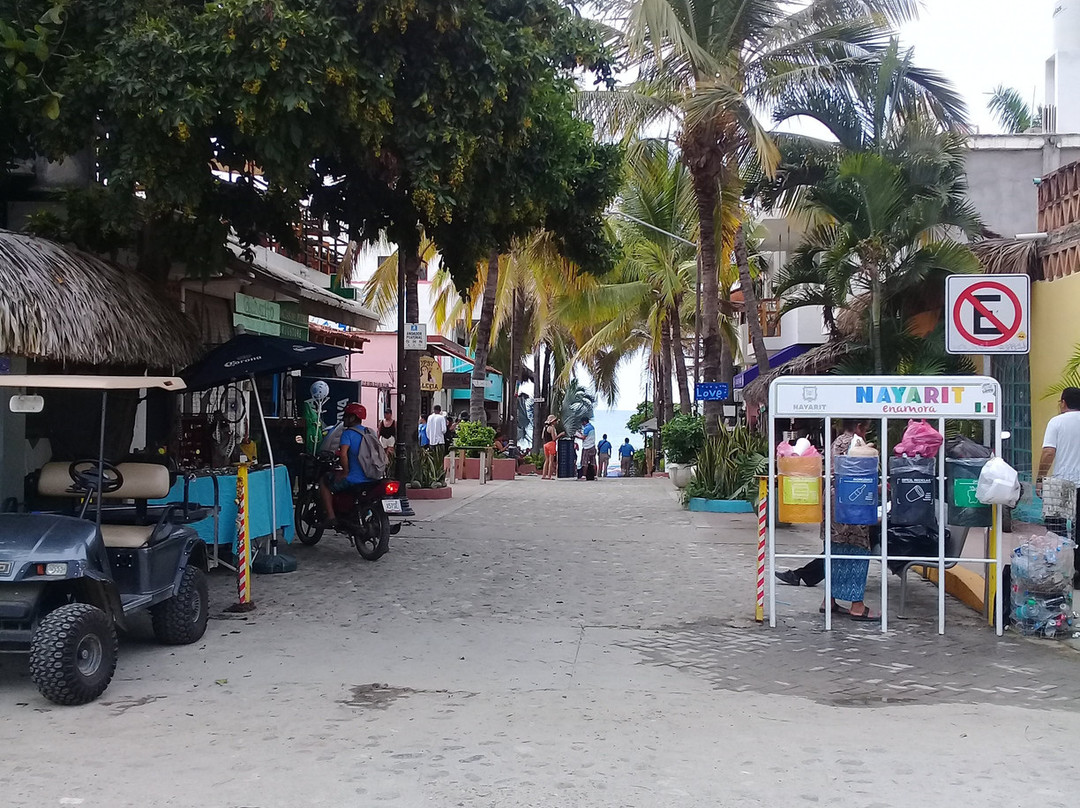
[1061, 452]
[587, 436]
[436, 427]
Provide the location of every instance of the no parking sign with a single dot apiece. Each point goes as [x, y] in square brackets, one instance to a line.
[988, 314]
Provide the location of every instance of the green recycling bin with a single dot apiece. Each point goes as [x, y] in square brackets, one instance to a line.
[962, 478]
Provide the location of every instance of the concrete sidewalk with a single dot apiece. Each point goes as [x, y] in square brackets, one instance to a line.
[553, 644]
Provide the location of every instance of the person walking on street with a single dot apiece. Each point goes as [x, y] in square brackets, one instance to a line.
[587, 435]
[436, 427]
[603, 449]
[626, 458]
[1061, 454]
[551, 447]
[388, 433]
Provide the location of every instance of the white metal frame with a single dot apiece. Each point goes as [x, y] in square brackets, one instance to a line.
[830, 397]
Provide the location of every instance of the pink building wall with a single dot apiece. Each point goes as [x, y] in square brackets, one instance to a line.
[377, 364]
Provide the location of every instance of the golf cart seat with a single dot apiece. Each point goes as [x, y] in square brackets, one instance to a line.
[142, 481]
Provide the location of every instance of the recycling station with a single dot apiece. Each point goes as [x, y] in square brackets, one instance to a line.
[856, 490]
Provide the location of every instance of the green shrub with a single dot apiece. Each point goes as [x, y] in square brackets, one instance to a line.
[728, 465]
[474, 435]
[683, 436]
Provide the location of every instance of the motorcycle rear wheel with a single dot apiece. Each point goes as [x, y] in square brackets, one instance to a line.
[374, 540]
[306, 516]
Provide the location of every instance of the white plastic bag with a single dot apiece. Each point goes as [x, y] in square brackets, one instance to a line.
[999, 484]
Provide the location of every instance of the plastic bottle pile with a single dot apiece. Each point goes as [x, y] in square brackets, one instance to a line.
[1042, 593]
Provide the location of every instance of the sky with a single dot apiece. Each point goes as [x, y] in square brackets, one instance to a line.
[977, 44]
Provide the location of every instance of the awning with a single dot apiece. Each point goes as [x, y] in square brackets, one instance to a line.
[778, 358]
[441, 345]
[276, 272]
[324, 335]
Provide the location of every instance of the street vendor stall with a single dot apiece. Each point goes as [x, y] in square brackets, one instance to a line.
[245, 357]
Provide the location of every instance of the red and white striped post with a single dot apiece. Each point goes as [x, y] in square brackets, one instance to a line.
[762, 521]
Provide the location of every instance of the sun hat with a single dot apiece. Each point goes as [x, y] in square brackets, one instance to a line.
[550, 419]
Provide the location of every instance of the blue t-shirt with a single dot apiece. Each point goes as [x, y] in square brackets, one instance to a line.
[352, 439]
[604, 447]
[626, 450]
[423, 435]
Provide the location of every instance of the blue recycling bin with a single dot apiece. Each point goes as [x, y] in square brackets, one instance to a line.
[855, 498]
[566, 463]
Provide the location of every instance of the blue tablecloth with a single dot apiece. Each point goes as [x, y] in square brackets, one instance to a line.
[201, 492]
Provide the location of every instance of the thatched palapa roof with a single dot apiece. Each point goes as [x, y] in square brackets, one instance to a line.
[60, 304]
[814, 362]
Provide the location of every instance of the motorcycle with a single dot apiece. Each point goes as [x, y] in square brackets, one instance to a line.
[362, 510]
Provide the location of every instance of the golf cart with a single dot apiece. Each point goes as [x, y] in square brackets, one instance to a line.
[69, 579]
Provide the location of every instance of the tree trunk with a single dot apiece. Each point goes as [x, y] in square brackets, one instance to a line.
[685, 404]
[705, 190]
[750, 301]
[538, 409]
[483, 340]
[516, 324]
[665, 372]
[409, 381]
[875, 319]
[658, 407]
[727, 375]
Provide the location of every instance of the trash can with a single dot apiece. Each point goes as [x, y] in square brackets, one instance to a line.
[961, 480]
[913, 490]
[855, 497]
[566, 462]
[800, 490]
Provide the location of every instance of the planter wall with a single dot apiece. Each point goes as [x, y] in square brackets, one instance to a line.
[503, 468]
[431, 493]
[720, 505]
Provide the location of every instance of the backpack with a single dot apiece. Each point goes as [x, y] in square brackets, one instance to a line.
[371, 454]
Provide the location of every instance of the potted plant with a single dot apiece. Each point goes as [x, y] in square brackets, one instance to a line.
[683, 436]
[473, 437]
[728, 466]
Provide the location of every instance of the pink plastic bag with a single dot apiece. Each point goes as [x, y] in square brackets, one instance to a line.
[785, 449]
[919, 439]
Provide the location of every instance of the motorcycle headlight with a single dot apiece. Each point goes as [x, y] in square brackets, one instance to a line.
[57, 569]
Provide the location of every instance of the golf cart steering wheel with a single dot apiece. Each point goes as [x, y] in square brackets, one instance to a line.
[84, 473]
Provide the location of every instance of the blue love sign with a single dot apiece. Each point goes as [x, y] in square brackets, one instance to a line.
[711, 391]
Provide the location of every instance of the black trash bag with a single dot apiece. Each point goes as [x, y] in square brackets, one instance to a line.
[913, 491]
[913, 541]
[961, 448]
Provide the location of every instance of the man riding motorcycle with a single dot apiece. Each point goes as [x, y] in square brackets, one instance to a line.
[351, 472]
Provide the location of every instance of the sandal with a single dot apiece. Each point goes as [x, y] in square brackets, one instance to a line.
[835, 609]
[865, 616]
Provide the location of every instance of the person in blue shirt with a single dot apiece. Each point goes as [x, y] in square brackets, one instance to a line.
[626, 458]
[351, 473]
[603, 450]
[422, 431]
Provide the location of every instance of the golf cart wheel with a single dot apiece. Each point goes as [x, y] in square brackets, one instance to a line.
[73, 654]
[374, 543]
[306, 516]
[181, 619]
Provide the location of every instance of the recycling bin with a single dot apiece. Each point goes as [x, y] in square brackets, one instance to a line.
[855, 494]
[566, 459]
[800, 500]
[913, 489]
[961, 480]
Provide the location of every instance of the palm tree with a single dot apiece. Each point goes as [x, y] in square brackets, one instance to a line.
[1012, 111]
[886, 230]
[708, 66]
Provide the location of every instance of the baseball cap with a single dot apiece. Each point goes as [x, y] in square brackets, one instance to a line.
[356, 410]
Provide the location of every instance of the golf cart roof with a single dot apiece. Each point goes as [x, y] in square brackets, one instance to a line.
[93, 382]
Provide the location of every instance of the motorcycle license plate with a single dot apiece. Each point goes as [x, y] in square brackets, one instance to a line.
[391, 505]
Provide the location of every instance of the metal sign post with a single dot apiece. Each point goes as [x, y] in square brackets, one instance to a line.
[884, 398]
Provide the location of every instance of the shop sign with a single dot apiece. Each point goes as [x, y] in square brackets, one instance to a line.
[910, 396]
[456, 381]
[257, 308]
[431, 375]
[253, 325]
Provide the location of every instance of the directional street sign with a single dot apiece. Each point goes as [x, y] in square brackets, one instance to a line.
[415, 337]
[711, 391]
[988, 314]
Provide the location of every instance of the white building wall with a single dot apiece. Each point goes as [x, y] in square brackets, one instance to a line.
[1063, 68]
